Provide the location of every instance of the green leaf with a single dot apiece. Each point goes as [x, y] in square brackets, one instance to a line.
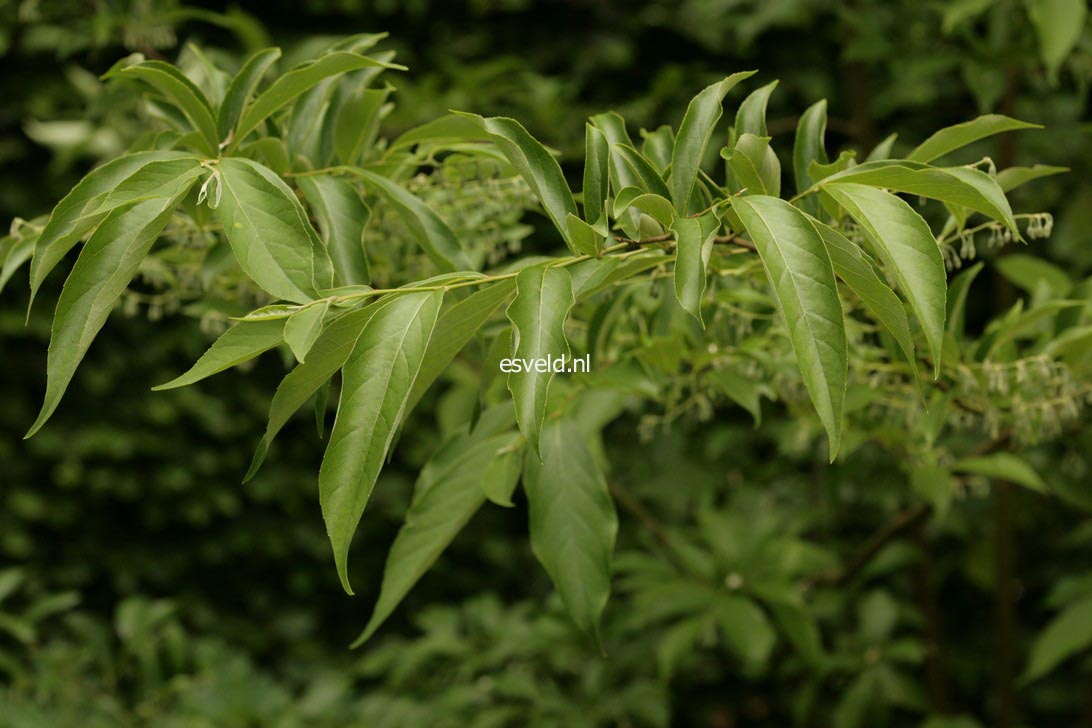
[501, 475]
[755, 166]
[13, 253]
[648, 179]
[445, 497]
[427, 228]
[269, 233]
[242, 342]
[695, 131]
[1002, 466]
[457, 325]
[537, 166]
[544, 296]
[1067, 634]
[809, 144]
[1013, 177]
[78, 213]
[1058, 24]
[957, 298]
[960, 135]
[596, 174]
[932, 483]
[242, 87]
[858, 273]
[693, 246]
[658, 146]
[182, 93]
[356, 122]
[746, 628]
[741, 390]
[447, 129]
[905, 244]
[329, 352]
[658, 206]
[376, 382]
[573, 522]
[882, 150]
[622, 176]
[586, 240]
[103, 270]
[962, 186]
[342, 218]
[298, 80]
[1029, 273]
[802, 277]
[302, 328]
[680, 641]
[751, 116]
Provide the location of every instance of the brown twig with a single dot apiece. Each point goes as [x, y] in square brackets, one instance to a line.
[901, 522]
[646, 518]
[670, 238]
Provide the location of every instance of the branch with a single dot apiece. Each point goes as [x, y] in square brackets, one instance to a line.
[670, 238]
[875, 543]
[629, 502]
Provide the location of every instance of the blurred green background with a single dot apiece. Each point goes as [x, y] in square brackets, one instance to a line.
[141, 584]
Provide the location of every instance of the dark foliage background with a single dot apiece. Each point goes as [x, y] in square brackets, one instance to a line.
[158, 590]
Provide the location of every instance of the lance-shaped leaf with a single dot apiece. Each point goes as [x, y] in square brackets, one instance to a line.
[851, 265]
[269, 233]
[809, 144]
[342, 217]
[962, 186]
[447, 129]
[501, 475]
[298, 80]
[695, 131]
[905, 244]
[457, 325]
[106, 264]
[356, 120]
[179, 91]
[78, 213]
[960, 135]
[544, 296]
[445, 497]
[596, 174]
[329, 352]
[882, 150]
[13, 253]
[302, 328]
[751, 116]
[430, 232]
[537, 166]
[958, 290]
[755, 165]
[802, 278]
[242, 87]
[1002, 466]
[658, 206]
[586, 240]
[242, 342]
[693, 246]
[1068, 634]
[573, 522]
[376, 383]
[658, 146]
[622, 176]
[648, 179]
[1059, 25]
[1012, 177]
[746, 628]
